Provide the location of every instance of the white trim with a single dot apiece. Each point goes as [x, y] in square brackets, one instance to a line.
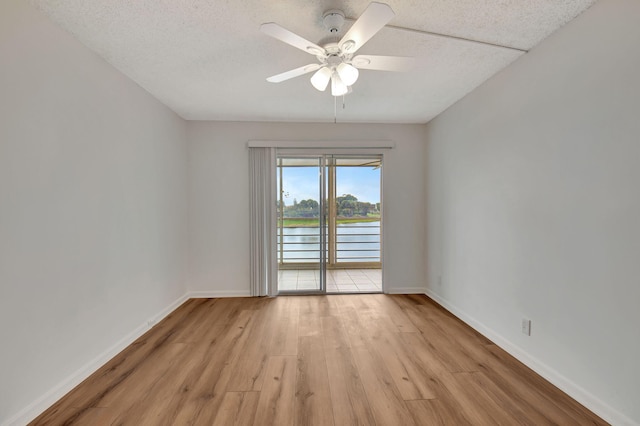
[405, 290]
[212, 294]
[380, 144]
[328, 151]
[575, 391]
[33, 410]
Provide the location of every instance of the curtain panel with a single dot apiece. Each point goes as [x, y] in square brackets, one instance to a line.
[262, 181]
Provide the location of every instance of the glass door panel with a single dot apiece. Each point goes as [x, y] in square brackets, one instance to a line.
[358, 229]
[354, 261]
[301, 232]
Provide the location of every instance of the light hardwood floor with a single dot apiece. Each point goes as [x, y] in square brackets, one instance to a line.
[315, 360]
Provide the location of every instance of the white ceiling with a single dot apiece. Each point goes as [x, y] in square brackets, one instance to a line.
[208, 60]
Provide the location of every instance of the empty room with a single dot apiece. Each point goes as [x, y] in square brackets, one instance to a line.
[319, 213]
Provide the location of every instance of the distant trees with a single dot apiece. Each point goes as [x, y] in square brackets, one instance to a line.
[347, 205]
[309, 208]
[304, 208]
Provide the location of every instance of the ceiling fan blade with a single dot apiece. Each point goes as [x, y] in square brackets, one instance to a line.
[283, 34]
[383, 63]
[372, 20]
[293, 73]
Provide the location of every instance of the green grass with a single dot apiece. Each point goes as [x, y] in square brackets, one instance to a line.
[357, 219]
[301, 222]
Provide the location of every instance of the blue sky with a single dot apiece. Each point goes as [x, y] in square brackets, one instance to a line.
[301, 183]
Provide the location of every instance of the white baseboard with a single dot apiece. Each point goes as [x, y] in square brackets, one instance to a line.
[406, 290]
[210, 294]
[37, 407]
[578, 393]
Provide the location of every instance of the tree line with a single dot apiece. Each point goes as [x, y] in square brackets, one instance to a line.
[347, 206]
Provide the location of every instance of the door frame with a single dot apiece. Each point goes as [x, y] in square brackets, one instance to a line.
[327, 218]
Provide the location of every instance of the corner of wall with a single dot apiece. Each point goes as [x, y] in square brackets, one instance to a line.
[37, 407]
[572, 389]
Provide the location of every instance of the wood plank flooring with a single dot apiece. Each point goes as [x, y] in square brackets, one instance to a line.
[315, 360]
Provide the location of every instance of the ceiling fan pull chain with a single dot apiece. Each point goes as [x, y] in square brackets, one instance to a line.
[335, 109]
[343, 104]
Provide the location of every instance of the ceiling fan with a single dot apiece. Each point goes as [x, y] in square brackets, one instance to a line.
[336, 61]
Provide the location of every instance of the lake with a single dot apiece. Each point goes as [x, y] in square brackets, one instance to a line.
[356, 242]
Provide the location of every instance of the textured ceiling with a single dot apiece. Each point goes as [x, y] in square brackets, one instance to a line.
[208, 60]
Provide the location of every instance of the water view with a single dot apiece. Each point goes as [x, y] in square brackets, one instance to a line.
[351, 194]
[356, 242]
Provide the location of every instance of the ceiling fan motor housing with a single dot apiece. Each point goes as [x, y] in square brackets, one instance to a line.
[333, 20]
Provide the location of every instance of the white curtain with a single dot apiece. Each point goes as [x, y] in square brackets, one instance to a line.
[262, 179]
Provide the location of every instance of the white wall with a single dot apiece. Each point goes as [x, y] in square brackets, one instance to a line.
[92, 208]
[219, 199]
[534, 208]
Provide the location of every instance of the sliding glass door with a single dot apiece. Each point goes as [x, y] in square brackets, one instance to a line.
[329, 224]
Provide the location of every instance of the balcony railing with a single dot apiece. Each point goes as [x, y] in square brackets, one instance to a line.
[354, 243]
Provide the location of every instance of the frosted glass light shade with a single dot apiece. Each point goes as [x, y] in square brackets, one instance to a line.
[320, 79]
[338, 88]
[348, 73]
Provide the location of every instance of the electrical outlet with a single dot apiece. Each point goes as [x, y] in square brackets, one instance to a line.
[526, 326]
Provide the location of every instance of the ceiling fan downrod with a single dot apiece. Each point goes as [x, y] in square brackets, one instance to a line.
[333, 20]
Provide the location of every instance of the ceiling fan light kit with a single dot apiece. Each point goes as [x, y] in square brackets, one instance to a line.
[338, 87]
[336, 61]
[348, 73]
[321, 78]
[342, 76]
